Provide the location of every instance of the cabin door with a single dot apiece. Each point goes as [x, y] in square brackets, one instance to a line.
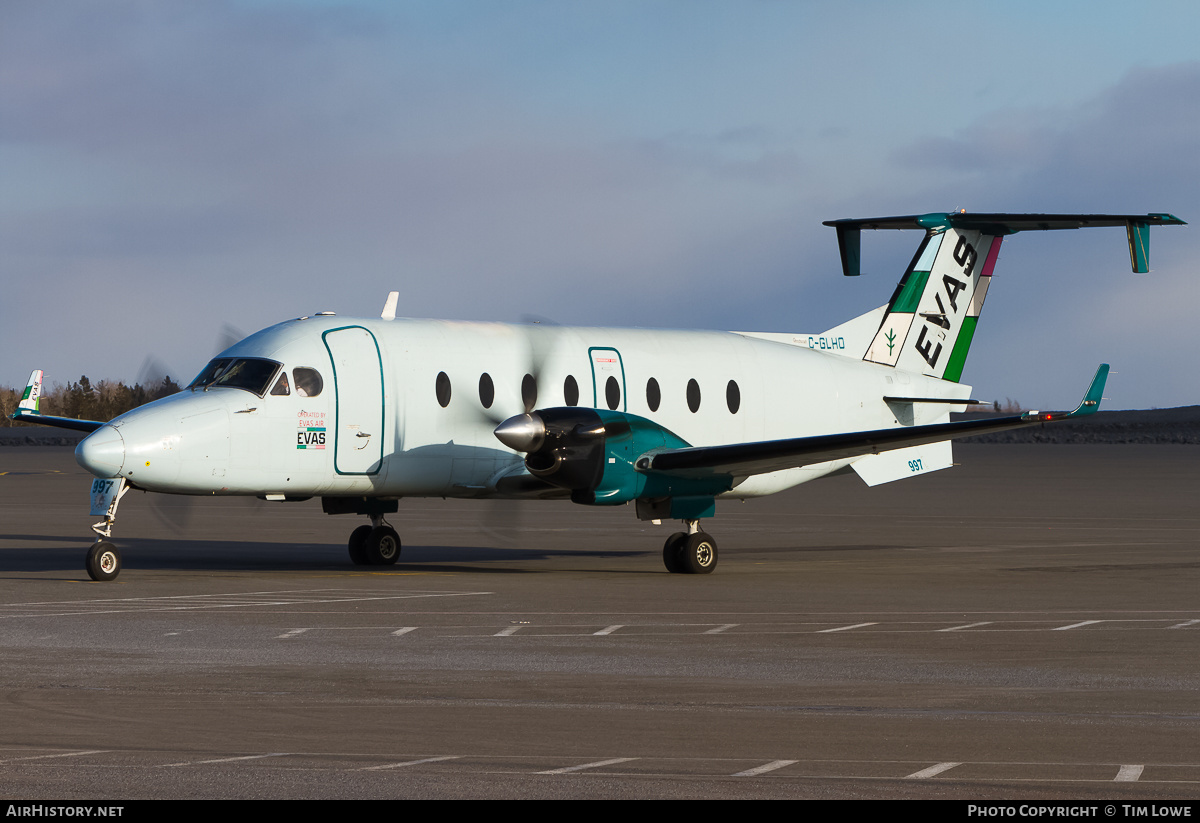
[358, 378]
[608, 379]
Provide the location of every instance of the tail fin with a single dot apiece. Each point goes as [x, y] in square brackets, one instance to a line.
[931, 319]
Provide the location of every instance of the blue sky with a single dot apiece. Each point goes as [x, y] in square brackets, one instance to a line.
[169, 168]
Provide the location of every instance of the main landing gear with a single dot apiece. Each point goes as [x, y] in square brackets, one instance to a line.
[374, 545]
[690, 552]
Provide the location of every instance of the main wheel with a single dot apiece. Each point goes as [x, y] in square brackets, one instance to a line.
[699, 554]
[383, 546]
[672, 554]
[103, 561]
[358, 545]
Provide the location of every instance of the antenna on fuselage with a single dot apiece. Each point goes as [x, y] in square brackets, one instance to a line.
[389, 308]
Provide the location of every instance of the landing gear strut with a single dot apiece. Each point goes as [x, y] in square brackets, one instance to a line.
[374, 545]
[103, 560]
[690, 552]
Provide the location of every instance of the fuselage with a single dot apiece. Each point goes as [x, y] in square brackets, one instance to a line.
[408, 407]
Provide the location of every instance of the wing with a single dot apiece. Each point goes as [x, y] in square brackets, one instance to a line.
[744, 459]
[27, 409]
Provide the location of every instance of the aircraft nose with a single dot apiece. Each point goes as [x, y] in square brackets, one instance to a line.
[102, 452]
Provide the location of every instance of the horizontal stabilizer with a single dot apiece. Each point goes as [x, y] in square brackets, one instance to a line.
[1137, 227]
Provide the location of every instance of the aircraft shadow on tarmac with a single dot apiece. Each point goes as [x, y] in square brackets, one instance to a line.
[195, 555]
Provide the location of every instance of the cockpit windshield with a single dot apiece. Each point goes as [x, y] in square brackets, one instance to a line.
[250, 373]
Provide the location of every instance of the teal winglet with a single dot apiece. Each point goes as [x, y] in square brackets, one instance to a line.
[1095, 393]
[1089, 405]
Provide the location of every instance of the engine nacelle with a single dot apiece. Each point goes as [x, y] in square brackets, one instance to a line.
[594, 453]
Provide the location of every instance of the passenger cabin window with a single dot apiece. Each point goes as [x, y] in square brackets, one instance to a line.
[529, 392]
[653, 394]
[487, 390]
[693, 395]
[612, 393]
[308, 381]
[571, 391]
[733, 397]
[442, 387]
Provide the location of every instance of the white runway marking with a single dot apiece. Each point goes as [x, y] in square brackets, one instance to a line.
[1128, 774]
[404, 630]
[595, 765]
[49, 756]
[766, 767]
[412, 762]
[194, 602]
[229, 759]
[608, 630]
[509, 632]
[720, 629]
[932, 771]
[1076, 625]
[847, 628]
[1184, 624]
[967, 626]
[291, 633]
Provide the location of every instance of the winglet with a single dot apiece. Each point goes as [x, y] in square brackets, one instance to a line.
[27, 409]
[1089, 405]
[32, 395]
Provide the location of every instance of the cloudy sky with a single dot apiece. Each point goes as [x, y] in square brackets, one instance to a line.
[172, 167]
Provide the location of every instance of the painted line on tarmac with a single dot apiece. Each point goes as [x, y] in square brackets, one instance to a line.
[967, 626]
[932, 771]
[720, 629]
[1076, 625]
[846, 628]
[1128, 774]
[205, 602]
[608, 630]
[50, 756]
[595, 765]
[411, 763]
[228, 759]
[766, 767]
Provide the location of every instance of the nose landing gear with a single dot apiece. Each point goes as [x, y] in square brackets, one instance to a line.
[103, 561]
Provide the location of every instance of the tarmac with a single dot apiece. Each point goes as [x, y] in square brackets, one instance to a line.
[1024, 625]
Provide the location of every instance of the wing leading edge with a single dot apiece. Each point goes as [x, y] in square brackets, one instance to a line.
[744, 459]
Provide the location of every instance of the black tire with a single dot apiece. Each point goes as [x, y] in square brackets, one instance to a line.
[383, 546]
[699, 554]
[103, 561]
[673, 554]
[358, 545]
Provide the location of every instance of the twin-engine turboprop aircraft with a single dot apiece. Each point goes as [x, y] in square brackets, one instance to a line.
[364, 412]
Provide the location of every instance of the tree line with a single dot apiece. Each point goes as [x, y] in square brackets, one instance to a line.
[103, 400]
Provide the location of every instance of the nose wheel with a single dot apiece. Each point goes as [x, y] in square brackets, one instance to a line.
[103, 561]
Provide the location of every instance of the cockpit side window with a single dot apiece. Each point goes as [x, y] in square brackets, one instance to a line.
[308, 381]
[282, 387]
[253, 374]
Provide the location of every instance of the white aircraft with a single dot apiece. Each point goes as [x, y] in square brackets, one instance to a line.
[364, 412]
